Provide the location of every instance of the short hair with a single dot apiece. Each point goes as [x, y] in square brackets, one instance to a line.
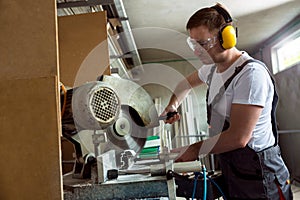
[208, 17]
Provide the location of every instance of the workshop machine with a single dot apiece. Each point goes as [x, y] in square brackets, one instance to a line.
[108, 122]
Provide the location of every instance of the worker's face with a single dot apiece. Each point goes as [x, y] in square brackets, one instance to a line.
[203, 43]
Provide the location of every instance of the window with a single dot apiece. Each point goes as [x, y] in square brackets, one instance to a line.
[286, 53]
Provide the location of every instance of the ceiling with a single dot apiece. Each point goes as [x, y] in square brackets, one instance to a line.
[158, 26]
[154, 30]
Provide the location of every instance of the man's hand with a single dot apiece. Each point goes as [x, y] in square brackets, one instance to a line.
[172, 119]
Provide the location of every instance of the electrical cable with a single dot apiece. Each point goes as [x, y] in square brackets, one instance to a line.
[205, 177]
[204, 182]
[195, 184]
[218, 187]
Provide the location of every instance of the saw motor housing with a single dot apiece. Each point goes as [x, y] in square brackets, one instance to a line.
[118, 111]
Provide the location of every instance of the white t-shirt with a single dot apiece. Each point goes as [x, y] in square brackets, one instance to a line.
[252, 86]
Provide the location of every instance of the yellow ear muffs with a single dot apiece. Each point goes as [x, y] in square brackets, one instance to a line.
[228, 37]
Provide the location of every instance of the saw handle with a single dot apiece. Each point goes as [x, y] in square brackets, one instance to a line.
[168, 116]
[171, 114]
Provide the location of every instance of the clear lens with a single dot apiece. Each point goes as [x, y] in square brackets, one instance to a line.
[195, 46]
[200, 50]
[203, 45]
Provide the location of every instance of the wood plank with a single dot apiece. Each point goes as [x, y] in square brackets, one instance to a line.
[83, 47]
[28, 39]
[29, 144]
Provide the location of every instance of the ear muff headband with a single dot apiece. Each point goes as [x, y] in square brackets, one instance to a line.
[223, 12]
[227, 34]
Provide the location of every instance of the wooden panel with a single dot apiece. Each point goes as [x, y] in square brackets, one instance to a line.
[28, 42]
[67, 150]
[83, 47]
[29, 119]
[29, 144]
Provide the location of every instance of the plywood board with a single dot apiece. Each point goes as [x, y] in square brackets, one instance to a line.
[28, 39]
[29, 139]
[83, 47]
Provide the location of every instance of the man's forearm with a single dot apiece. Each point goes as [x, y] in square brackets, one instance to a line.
[181, 91]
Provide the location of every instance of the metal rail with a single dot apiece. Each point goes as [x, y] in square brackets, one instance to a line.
[72, 4]
[288, 131]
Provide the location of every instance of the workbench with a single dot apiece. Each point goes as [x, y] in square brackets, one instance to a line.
[135, 186]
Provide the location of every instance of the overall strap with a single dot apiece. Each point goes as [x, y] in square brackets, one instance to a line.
[222, 89]
[225, 86]
[208, 82]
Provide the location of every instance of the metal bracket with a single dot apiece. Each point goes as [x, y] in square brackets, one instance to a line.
[98, 138]
[171, 182]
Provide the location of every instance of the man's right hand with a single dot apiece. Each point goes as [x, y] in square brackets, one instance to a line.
[172, 119]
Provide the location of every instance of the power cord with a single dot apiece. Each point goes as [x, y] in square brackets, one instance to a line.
[217, 186]
[204, 182]
[197, 174]
[205, 177]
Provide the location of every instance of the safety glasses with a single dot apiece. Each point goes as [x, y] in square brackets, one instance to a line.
[200, 46]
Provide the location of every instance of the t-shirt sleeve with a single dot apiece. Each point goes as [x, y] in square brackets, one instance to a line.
[252, 86]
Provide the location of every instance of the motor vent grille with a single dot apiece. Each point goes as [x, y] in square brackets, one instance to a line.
[105, 105]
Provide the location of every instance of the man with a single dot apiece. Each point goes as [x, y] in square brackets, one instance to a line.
[241, 102]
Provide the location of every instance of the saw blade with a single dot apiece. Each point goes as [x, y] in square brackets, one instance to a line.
[126, 134]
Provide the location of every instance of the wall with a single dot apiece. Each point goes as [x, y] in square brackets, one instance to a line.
[288, 85]
[288, 81]
[29, 101]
